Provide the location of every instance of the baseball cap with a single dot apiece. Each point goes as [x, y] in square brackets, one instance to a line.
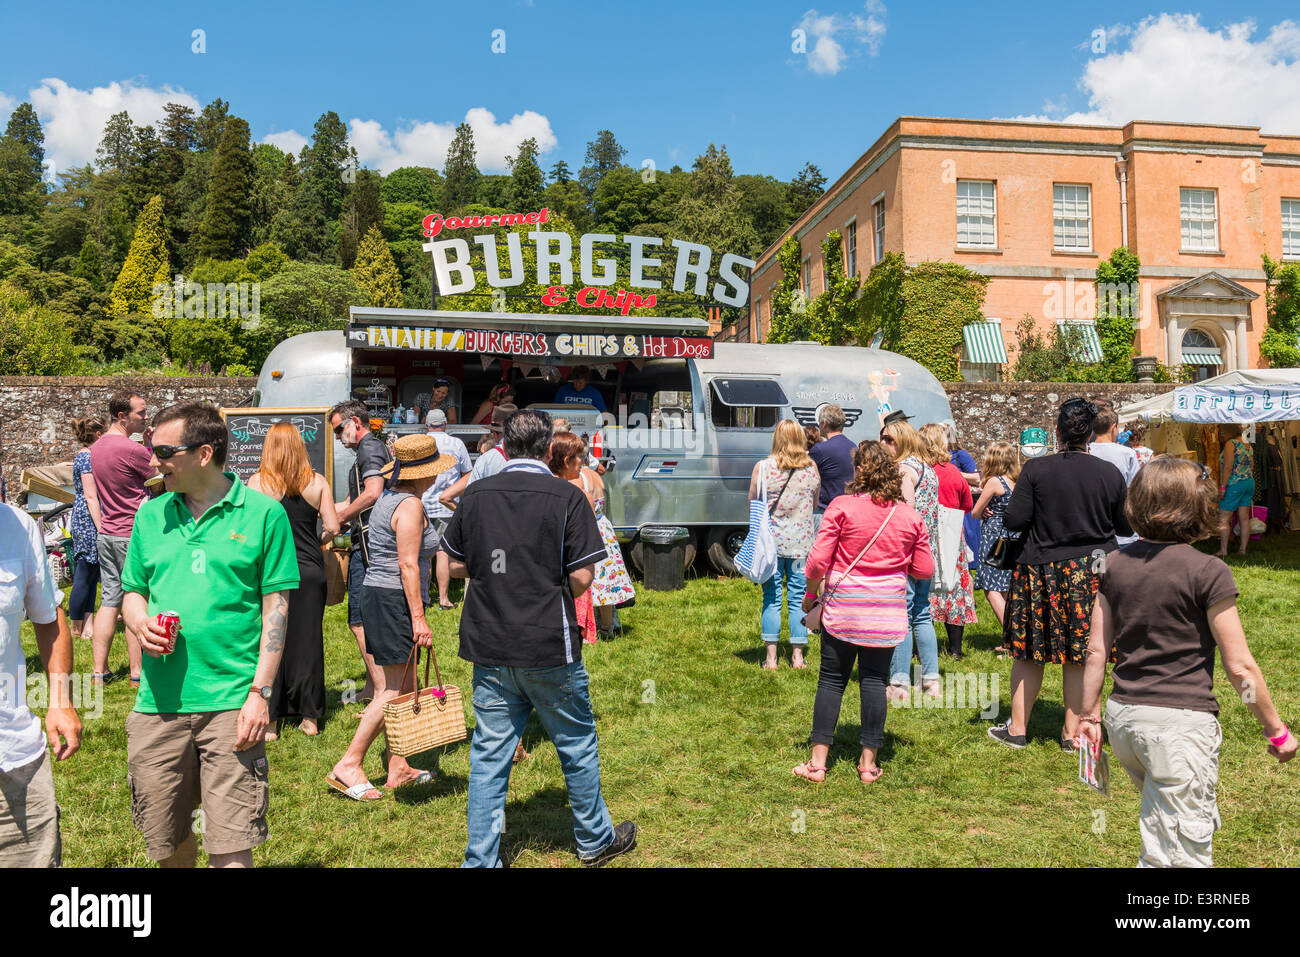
[435, 418]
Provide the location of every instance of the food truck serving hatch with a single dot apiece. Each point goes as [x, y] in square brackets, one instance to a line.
[564, 339]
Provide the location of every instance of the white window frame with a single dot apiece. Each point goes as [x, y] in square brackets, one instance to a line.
[1291, 229]
[1063, 233]
[983, 224]
[851, 249]
[878, 230]
[1191, 199]
[806, 280]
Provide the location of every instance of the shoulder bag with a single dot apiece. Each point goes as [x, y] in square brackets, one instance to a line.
[813, 619]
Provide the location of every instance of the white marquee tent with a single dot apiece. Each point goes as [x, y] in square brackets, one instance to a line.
[1246, 395]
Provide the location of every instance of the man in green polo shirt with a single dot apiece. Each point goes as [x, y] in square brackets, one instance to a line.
[222, 557]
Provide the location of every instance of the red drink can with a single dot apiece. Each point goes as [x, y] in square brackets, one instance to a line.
[170, 622]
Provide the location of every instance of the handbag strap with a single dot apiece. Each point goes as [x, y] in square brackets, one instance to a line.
[414, 659]
[865, 549]
[773, 508]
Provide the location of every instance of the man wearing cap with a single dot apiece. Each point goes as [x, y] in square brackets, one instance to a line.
[396, 592]
[439, 514]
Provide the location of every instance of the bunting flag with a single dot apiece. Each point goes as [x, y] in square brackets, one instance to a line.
[604, 370]
[487, 361]
[526, 368]
[638, 364]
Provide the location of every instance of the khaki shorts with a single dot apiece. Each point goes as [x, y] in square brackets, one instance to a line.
[175, 762]
[1172, 755]
[29, 817]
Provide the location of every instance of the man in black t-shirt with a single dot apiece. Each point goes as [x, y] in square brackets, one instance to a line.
[349, 420]
[528, 543]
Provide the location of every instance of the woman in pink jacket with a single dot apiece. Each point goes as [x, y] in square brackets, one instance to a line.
[865, 614]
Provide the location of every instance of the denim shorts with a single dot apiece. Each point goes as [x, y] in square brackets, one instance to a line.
[356, 585]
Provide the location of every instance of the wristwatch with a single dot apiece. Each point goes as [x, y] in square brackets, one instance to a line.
[263, 690]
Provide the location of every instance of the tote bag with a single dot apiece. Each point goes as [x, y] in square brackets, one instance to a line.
[950, 547]
[756, 559]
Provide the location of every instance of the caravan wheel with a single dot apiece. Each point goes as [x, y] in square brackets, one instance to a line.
[723, 544]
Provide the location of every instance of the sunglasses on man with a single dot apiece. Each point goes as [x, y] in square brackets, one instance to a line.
[165, 452]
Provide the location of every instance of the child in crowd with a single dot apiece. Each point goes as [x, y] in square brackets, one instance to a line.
[1000, 469]
[1162, 607]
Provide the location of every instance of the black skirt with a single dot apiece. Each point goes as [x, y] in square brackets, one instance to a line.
[387, 621]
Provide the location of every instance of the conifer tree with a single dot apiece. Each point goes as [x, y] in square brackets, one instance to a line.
[460, 173]
[375, 271]
[146, 264]
[224, 232]
[525, 176]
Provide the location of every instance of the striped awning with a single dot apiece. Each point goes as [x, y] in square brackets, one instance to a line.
[984, 342]
[1203, 357]
[1090, 347]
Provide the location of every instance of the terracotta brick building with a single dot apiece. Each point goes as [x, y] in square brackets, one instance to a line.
[1034, 206]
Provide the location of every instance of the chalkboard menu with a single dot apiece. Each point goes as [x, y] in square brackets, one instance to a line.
[248, 428]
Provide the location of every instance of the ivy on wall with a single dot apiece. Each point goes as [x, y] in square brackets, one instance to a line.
[1118, 302]
[938, 299]
[790, 319]
[1281, 342]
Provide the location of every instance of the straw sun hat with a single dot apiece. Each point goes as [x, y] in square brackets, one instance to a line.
[416, 457]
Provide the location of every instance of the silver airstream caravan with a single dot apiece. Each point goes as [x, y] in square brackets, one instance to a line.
[682, 431]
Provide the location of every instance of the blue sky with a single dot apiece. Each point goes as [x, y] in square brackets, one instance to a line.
[668, 78]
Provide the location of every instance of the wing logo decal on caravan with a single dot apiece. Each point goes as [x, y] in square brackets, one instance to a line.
[807, 415]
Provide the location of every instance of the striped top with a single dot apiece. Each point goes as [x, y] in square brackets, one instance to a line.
[869, 605]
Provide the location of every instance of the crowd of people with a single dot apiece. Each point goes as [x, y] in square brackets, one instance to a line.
[1085, 556]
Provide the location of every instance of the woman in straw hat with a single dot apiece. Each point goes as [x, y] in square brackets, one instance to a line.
[402, 544]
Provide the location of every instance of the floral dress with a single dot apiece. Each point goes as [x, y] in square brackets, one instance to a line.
[926, 499]
[986, 576]
[84, 536]
[792, 518]
[956, 607]
[612, 585]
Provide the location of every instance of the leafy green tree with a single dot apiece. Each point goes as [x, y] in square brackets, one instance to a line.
[205, 341]
[12, 256]
[146, 264]
[560, 173]
[1117, 307]
[211, 126]
[763, 203]
[1051, 356]
[568, 199]
[224, 233]
[790, 319]
[526, 176]
[34, 339]
[269, 194]
[623, 201]
[300, 230]
[460, 171]
[302, 297]
[805, 188]
[25, 129]
[90, 264]
[375, 271]
[1281, 342]
[604, 154]
[412, 184]
[22, 163]
[264, 261]
[493, 195]
[143, 177]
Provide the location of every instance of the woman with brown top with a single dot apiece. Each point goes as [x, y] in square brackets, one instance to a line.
[1163, 608]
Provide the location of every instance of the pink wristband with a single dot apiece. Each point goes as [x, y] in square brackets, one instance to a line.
[1281, 738]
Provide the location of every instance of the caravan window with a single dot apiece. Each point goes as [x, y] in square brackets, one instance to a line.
[746, 403]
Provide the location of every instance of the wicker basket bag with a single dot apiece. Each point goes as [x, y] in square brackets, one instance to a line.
[427, 717]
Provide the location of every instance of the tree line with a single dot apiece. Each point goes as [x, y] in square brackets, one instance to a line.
[82, 258]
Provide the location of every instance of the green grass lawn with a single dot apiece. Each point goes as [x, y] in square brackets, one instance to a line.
[697, 744]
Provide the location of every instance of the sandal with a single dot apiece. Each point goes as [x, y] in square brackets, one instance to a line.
[356, 791]
[874, 774]
[806, 770]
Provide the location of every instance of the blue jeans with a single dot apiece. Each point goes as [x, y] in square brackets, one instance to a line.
[921, 627]
[503, 699]
[789, 571]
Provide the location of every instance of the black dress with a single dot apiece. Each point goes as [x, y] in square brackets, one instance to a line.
[299, 687]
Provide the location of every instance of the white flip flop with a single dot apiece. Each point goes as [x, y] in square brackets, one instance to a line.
[356, 791]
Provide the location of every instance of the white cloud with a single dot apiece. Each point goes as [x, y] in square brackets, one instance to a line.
[425, 143]
[291, 141]
[827, 55]
[74, 119]
[7, 104]
[1176, 69]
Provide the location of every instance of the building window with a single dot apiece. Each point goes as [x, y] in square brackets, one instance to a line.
[879, 210]
[1198, 209]
[1071, 217]
[851, 248]
[977, 213]
[807, 278]
[1291, 229]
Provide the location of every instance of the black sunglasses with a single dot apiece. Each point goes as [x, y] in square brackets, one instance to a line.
[165, 452]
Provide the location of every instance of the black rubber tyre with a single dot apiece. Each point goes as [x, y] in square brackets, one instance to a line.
[722, 545]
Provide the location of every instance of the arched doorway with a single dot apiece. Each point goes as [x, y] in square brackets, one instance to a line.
[1203, 353]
